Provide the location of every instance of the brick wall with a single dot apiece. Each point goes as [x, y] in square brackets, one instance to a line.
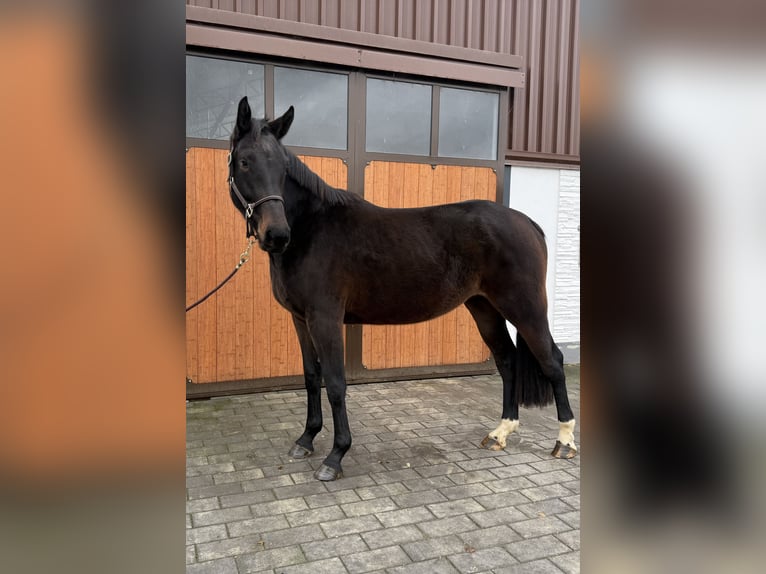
[566, 304]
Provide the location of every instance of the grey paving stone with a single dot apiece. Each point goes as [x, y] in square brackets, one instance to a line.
[266, 483]
[296, 490]
[373, 506]
[191, 554]
[569, 563]
[328, 566]
[438, 469]
[247, 498]
[224, 566]
[536, 567]
[445, 526]
[551, 464]
[394, 476]
[535, 548]
[228, 547]
[435, 566]
[544, 508]
[427, 484]
[391, 536]
[208, 468]
[571, 518]
[196, 481]
[216, 490]
[209, 517]
[540, 526]
[265, 559]
[315, 516]
[552, 477]
[290, 536]
[257, 525]
[203, 504]
[433, 547]
[489, 518]
[573, 501]
[332, 498]
[351, 525]
[404, 516]
[205, 533]
[454, 507]
[570, 538]
[418, 498]
[502, 500]
[389, 489]
[480, 560]
[375, 559]
[279, 507]
[337, 546]
[471, 477]
[464, 491]
[479, 464]
[489, 537]
[543, 492]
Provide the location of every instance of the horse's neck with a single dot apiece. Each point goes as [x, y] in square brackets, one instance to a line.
[301, 183]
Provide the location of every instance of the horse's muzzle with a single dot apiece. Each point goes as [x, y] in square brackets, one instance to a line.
[275, 240]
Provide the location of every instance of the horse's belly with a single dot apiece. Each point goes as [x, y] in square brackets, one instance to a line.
[403, 310]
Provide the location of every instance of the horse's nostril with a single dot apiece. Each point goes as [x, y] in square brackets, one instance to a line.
[277, 237]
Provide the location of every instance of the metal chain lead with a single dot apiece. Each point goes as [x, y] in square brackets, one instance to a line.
[245, 255]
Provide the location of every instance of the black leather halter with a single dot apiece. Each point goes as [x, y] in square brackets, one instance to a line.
[248, 207]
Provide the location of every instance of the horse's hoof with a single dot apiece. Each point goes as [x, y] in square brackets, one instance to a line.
[563, 451]
[327, 474]
[491, 444]
[298, 452]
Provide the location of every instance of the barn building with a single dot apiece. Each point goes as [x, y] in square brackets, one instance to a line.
[408, 102]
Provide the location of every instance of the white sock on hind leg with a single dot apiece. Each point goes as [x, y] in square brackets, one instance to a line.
[506, 427]
[566, 433]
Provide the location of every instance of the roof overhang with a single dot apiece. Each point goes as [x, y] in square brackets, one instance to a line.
[224, 30]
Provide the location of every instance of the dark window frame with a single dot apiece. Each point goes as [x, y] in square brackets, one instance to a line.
[356, 113]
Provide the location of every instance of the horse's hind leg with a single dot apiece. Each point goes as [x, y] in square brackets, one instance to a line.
[537, 337]
[492, 328]
[312, 373]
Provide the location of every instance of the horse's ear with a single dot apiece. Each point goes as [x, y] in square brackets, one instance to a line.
[244, 119]
[280, 125]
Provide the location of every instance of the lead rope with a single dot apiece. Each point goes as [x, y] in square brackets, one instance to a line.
[243, 258]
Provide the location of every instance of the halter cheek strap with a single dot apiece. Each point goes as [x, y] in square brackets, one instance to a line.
[248, 207]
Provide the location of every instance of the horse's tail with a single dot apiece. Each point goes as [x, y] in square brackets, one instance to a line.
[533, 389]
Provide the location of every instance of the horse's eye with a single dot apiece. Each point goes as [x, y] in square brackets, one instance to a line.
[243, 163]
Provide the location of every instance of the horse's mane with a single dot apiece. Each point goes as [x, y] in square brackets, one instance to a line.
[303, 176]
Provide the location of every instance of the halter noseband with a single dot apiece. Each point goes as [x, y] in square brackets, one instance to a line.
[249, 207]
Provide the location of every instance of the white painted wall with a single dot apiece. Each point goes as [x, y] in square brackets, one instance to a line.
[552, 198]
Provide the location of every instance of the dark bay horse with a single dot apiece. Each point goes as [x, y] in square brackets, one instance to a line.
[336, 258]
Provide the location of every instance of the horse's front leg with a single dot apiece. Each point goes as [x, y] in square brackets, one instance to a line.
[326, 331]
[312, 373]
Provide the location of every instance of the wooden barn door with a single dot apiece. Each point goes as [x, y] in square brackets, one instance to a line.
[241, 333]
[452, 339]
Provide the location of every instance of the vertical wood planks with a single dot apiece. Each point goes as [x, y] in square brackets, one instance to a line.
[191, 265]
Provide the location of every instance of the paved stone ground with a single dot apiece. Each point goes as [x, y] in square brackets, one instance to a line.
[418, 495]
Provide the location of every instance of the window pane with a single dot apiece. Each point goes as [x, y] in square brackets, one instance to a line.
[468, 124]
[398, 117]
[213, 90]
[321, 107]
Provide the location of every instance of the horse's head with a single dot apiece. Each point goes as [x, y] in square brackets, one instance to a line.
[258, 168]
